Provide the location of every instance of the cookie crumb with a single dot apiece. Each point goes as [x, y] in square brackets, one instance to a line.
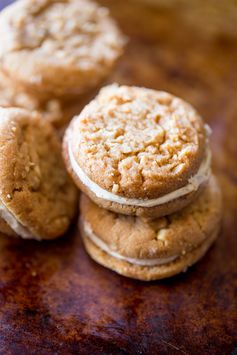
[162, 235]
[115, 188]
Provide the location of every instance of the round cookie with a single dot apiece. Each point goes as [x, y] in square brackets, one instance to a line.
[55, 48]
[138, 151]
[57, 112]
[152, 249]
[38, 200]
[51, 110]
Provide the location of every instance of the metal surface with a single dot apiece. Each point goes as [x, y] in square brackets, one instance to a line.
[55, 300]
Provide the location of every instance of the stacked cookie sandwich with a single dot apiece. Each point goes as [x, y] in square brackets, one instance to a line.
[151, 206]
[53, 55]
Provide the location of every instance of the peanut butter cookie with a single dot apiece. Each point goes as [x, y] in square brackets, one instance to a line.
[53, 111]
[37, 197]
[138, 151]
[55, 48]
[152, 249]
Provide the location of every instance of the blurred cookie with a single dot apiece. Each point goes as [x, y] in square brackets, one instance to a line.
[37, 197]
[53, 48]
[138, 151]
[152, 249]
[57, 112]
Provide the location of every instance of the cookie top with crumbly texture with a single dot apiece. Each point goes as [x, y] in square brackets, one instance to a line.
[174, 235]
[137, 142]
[34, 185]
[58, 45]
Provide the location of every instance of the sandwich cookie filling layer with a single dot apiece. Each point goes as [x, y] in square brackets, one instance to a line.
[141, 262]
[11, 220]
[194, 182]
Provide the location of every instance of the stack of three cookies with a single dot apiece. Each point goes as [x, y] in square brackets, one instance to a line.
[150, 206]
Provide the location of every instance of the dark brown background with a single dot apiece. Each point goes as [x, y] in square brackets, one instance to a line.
[55, 300]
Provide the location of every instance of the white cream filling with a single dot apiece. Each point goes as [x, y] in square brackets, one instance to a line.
[16, 226]
[142, 262]
[194, 182]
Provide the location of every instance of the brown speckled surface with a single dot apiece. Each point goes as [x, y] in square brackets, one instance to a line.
[55, 300]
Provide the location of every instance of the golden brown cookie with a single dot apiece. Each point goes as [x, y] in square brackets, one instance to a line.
[152, 249]
[57, 47]
[37, 197]
[51, 110]
[56, 111]
[138, 151]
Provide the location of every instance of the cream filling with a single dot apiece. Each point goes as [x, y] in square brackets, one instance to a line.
[194, 182]
[142, 262]
[16, 226]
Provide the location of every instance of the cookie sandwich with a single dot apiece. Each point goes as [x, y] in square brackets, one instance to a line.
[138, 151]
[38, 200]
[147, 249]
[54, 48]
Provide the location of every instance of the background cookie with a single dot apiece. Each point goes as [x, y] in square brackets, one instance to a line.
[38, 197]
[152, 249]
[58, 112]
[57, 48]
[138, 151]
[53, 111]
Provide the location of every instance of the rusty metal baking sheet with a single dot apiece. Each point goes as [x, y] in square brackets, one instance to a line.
[55, 300]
